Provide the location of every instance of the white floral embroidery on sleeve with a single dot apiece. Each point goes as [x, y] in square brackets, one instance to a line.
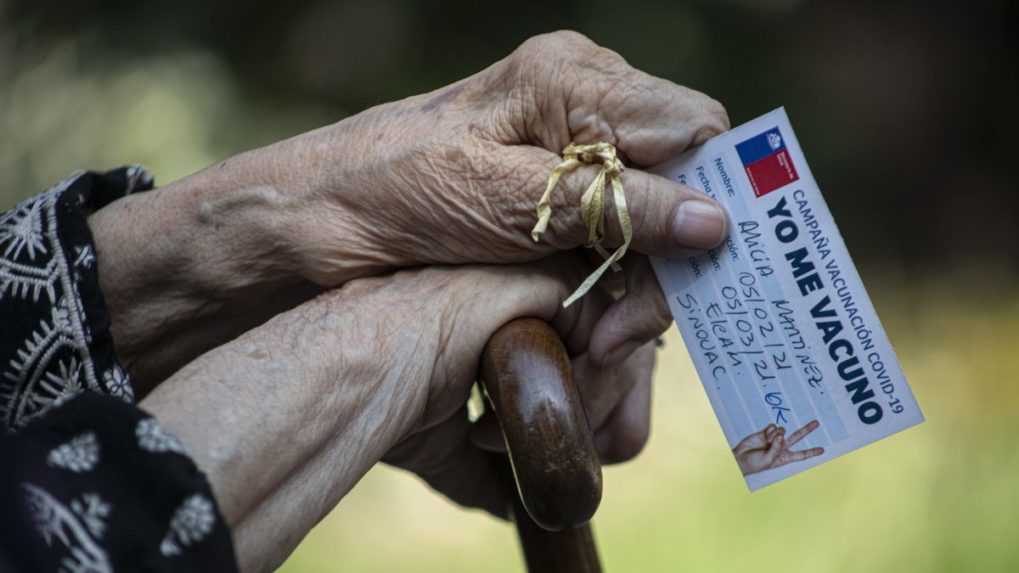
[84, 257]
[93, 511]
[81, 454]
[21, 229]
[191, 523]
[77, 529]
[34, 267]
[153, 438]
[118, 383]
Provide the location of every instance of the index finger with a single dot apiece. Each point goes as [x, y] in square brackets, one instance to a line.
[788, 457]
[802, 432]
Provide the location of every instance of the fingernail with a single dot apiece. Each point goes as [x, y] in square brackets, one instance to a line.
[699, 224]
[621, 353]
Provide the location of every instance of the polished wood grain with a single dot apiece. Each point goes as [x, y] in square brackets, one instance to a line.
[526, 375]
[572, 550]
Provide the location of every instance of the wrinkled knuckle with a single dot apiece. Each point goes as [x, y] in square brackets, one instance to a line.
[569, 40]
[721, 115]
[524, 65]
[609, 60]
[545, 45]
[642, 220]
[550, 51]
[639, 221]
[531, 50]
[714, 120]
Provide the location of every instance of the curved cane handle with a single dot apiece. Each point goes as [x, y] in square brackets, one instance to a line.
[526, 373]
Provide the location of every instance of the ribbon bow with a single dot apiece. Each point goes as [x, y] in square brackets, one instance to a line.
[592, 205]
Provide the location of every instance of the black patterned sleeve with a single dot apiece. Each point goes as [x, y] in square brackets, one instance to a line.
[88, 481]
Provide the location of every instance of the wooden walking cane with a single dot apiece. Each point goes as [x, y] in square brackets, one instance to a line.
[526, 374]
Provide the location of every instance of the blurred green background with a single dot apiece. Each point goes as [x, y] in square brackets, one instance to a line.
[906, 111]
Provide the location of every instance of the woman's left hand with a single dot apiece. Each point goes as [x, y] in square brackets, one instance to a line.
[449, 177]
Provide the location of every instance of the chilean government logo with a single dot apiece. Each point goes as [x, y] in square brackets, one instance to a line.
[767, 162]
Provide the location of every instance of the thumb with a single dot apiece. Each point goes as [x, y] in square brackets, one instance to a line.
[667, 218]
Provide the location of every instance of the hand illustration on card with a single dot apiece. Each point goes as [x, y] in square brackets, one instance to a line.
[777, 320]
[769, 448]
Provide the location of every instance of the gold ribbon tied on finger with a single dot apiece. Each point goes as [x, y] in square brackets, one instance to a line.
[592, 205]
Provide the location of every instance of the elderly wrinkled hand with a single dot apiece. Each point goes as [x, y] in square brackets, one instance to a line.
[286, 419]
[448, 177]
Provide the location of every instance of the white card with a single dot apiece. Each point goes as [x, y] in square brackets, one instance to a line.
[777, 320]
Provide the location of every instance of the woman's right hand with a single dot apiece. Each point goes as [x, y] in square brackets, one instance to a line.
[285, 419]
